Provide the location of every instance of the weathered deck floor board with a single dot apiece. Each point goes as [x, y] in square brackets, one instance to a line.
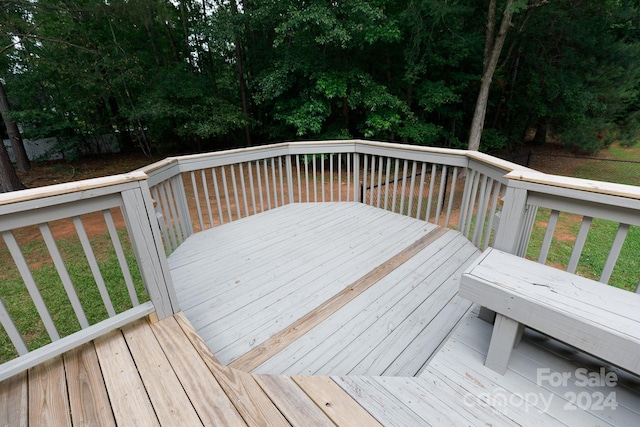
[176, 381]
[398, 327]
[322, 249]
[303, 271]
[383, 321]
[461, 361]
[456, 379]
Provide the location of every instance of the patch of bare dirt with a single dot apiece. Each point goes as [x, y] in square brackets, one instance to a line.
[61, 171]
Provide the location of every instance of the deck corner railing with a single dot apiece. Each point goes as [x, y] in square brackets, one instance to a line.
[474, 193]
[448, 187]
[78, 260]
[586, 227]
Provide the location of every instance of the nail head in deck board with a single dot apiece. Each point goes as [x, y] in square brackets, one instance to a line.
[250, 401]
[277, 342]
[128, 397]
[87, 393]
[294, 403]
[48, 400]
[171, 404]
[206, 395]
[14, 402]
[335, 402]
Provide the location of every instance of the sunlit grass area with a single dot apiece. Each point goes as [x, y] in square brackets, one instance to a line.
[594, 256]
[19, 303]
[624, 170]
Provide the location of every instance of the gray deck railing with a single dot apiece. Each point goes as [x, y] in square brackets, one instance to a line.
[74, 228]
[453, 188]
[152, 211]
[593, 226]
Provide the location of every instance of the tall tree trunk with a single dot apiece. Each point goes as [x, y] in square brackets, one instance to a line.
[241, 79]
[24, 165]
[493, 48]
[9, 180]
[185, 32]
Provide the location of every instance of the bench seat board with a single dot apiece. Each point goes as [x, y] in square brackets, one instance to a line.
[597, 318]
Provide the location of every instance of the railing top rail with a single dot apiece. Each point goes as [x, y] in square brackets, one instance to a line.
[410, 147]
[475, 155]
[496, 162]
[559, 185]
[507, 166]
[158, 165]
[447, 155]
[230, 152]
[70, 187]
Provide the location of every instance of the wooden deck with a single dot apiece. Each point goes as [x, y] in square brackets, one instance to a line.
[317, 314]
[323, 289]
[457, 389]
[163, 374]
[369, 297]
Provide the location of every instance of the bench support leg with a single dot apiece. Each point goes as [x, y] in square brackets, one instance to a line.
[506, 334]
[487, 315]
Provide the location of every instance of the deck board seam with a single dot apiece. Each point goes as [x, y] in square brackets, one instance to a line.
[237, 390]
[310, 282]
[271, 346]
[357, 327]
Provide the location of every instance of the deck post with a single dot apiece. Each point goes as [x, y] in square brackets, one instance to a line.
[512, 220]
[144, 230]
[468, 176]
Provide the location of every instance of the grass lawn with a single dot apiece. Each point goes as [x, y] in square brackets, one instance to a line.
[594, 255]
[22, 309]
[623, 172]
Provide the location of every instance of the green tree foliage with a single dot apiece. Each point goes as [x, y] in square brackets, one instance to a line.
[130, 67]
[329, 74]
[443, 62]
[190, 75]
[571, 73]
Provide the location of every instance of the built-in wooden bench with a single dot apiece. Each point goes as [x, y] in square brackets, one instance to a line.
[597, 318]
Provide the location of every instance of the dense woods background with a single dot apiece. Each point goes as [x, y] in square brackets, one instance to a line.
[193, 75]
